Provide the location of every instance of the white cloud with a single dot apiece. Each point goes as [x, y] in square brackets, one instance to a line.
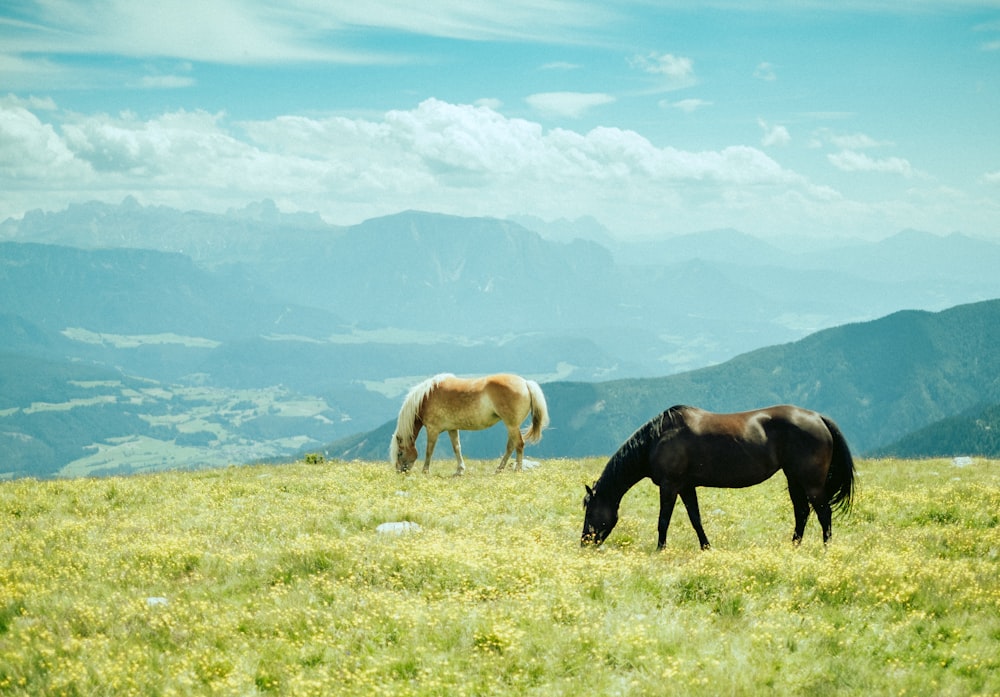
[33, 151]
[489, 103]
[259, 32]
[31, 103]
[852, 161]
[774, 135]
[672, 72]
[430, 157]
[674, 67]
[992, 177]
[765, 71]
[567, 104]
[847, 141]
[166, 81]
[688, 106]
[560, 65]
[514, 19]
[453, 158]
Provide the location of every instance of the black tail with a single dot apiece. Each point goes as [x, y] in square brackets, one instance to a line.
[840, 478]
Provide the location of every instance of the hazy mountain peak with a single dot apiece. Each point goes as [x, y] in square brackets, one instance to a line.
[584, 228]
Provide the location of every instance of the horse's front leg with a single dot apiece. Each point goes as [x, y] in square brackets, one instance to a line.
[456, 445]
[690, 499]
[800, 506]
[432, 437]
[668, 497]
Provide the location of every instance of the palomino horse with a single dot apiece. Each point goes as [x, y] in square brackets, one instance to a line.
[685, 447]
[447, 403]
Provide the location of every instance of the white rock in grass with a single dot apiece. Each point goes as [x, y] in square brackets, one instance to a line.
[962, 461]
[155, 601]
[398, 528]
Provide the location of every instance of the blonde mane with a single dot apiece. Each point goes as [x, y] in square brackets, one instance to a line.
[411, 406]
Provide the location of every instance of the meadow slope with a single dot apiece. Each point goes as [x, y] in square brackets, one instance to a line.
[275, 580]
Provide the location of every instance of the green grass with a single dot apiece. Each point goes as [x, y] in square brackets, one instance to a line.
[273, 580]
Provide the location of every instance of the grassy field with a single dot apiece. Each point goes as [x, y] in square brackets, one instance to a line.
[275, 580]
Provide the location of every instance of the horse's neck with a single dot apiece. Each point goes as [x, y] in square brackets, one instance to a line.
[417, 425]
[413, 431]
[624, 471]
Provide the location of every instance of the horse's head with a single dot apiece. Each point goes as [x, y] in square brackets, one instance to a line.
[599, 519]
[402, 453]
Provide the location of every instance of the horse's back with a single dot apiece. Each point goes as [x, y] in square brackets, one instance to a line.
[756, 424]
[741, 448]
[476, 403]
[499, 381]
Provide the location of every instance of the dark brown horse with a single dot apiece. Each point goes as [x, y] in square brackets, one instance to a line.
[685, 447]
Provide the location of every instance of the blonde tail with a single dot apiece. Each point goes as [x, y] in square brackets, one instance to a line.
[539, 413]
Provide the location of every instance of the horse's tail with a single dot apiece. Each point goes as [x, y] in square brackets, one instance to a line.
[840, 478]
[539, 413]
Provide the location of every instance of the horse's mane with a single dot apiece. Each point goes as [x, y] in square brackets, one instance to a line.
[411, 405]
[624, 468]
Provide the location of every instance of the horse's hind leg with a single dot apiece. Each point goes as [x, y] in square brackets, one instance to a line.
[825, 515]
[514, 442]
[690, 499]
[800, 504]
[456, 445]
[518, 447]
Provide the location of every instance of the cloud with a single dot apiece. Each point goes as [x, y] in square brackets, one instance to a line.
[256, 32]
[765, 71]
[673, 72]
[525, 20]
[851, 161]
[490, 103]
[848, 141]
[567, 104]
[774, 135]
[461, 159]
[688, 106]
[992, 177]
[32, 154]
[166, 81]
[31, 103]
[560, 65]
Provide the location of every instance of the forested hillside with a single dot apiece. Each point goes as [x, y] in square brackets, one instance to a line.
[975, 432]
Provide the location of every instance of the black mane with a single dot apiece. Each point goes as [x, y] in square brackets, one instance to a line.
[630, 463]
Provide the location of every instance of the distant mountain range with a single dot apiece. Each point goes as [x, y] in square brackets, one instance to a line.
[135, 338]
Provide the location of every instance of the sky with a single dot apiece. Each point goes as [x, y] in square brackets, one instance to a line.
[858, 118]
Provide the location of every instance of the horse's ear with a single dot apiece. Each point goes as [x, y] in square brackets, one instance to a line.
[590, 492]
